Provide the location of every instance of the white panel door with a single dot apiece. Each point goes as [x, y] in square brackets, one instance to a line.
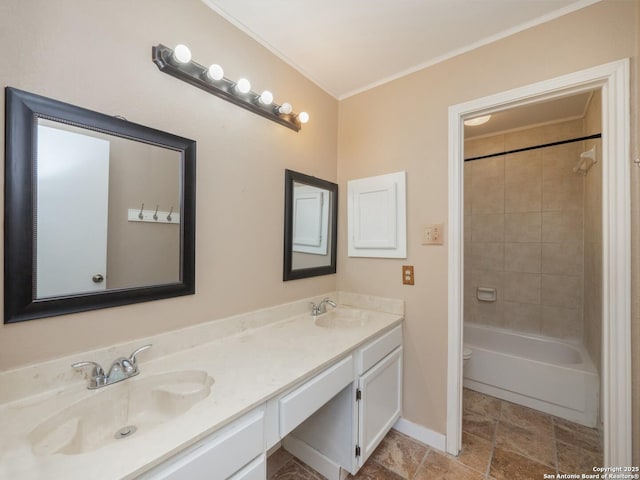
[380, 404]
[72, 208]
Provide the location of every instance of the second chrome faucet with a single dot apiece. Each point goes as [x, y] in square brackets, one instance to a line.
[320, 308]
[121, 369]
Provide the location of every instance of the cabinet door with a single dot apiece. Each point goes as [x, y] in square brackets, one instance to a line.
[381, 402]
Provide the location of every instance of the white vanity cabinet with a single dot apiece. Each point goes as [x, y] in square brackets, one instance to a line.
[342, 434]
[235, 452]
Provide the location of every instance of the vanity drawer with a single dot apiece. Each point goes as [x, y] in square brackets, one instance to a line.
[218, 456]
[256, 470]
[298, 405]
[379, 348]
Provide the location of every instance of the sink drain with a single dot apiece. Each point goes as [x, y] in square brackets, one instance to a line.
[125, 432]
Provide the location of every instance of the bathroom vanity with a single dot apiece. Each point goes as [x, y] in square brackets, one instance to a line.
[212, 400]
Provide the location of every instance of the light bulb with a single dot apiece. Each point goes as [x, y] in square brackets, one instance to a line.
[472, 122]
[285, 108]
[266, 97]
[303, 117]
[182, 54]
[243, 85]
[215, 72]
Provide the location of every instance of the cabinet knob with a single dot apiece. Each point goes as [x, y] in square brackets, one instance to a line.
[97, 278]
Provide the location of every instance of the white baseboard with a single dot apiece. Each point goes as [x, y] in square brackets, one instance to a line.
[421, 434]
[313, 458]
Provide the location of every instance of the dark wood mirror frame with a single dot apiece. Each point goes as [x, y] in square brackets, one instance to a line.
[23, 110]
[290, 177]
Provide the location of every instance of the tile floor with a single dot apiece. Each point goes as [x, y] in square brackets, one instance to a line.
[500, 440]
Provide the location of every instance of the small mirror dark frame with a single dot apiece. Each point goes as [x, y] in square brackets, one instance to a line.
[23, 110]
[290, 177]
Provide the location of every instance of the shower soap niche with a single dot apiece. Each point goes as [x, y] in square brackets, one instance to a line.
[487, 294]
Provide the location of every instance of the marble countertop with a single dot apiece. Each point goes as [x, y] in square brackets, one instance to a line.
[260, 358]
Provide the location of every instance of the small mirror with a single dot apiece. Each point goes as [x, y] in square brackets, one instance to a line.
[310, 226]
[99, 211]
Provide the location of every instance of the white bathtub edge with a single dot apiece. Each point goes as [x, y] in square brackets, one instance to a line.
[587, 418]
[421, 434]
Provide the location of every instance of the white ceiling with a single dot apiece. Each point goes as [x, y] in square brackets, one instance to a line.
[348, 46]
[564, 108]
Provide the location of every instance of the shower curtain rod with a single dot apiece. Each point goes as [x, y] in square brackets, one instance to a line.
[535, 147]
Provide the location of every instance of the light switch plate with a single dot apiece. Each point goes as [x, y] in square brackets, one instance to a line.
[433, 234]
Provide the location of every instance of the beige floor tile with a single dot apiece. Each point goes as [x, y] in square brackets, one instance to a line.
[506, 465]
[526, 442]
[399, 454]
[373, 471]
[276, 461]
[479, 425]
[527, 418]
[577, 460]
[481, 404]
[577, 435]
[294, 470]
[476, 452]
[438, 466]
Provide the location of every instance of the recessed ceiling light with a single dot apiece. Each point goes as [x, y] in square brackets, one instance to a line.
[472, 122]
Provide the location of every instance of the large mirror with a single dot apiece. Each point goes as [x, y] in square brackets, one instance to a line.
[310, 226]
[99, 211]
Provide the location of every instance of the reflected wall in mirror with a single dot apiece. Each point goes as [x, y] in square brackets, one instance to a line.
[77, 236]
[310, 226]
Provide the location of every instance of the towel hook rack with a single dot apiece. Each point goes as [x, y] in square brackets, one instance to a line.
[170, 212]
[140, 215]
[155, 215]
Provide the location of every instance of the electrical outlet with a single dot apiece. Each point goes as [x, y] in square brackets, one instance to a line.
[407, 274]
[432, 234]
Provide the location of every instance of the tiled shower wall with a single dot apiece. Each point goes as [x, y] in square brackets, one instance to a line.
[524, 231]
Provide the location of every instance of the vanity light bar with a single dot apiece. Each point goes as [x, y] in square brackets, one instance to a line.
[178, 64]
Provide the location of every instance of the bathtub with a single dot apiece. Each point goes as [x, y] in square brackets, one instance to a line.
[552, 376]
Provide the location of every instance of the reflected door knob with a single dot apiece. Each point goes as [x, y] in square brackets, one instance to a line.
[97, 278]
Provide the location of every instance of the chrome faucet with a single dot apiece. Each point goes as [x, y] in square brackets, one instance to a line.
[121, 369]
[321, 307]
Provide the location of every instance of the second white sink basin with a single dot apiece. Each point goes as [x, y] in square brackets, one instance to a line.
[117, 411]
[343, 318]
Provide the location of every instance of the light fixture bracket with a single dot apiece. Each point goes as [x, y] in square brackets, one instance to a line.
[196, 75]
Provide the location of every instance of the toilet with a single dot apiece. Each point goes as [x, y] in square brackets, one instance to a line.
[467, 352]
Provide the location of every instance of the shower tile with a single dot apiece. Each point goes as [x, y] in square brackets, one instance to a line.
[487, 256]
[562, 322]
[562, 290]
[562, 227]
[487, 186]
[526, 442]
[487, 228]
[523, 182]
[487, 313]
[507, 465]
[522, 257]
[485, 146]
[523, 227]
[484, 278]
[522, 287]
[562, 193]
[399, 454]
[562, 258]
[562, 131]
[467, 188]
[524, 317]
[559, 160]
[438, 466]
[523, 138]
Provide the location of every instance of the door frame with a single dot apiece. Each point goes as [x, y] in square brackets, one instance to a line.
[613, 79]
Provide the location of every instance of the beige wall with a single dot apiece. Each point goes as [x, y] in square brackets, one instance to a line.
[524, 231]
[402, 125]
[97, 55]
[635, 236]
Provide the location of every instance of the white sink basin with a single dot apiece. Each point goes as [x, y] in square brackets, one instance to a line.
[141, 403]
[343, 318]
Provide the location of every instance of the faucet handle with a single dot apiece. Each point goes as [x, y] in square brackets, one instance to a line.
[98, 378]
[132, 357]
